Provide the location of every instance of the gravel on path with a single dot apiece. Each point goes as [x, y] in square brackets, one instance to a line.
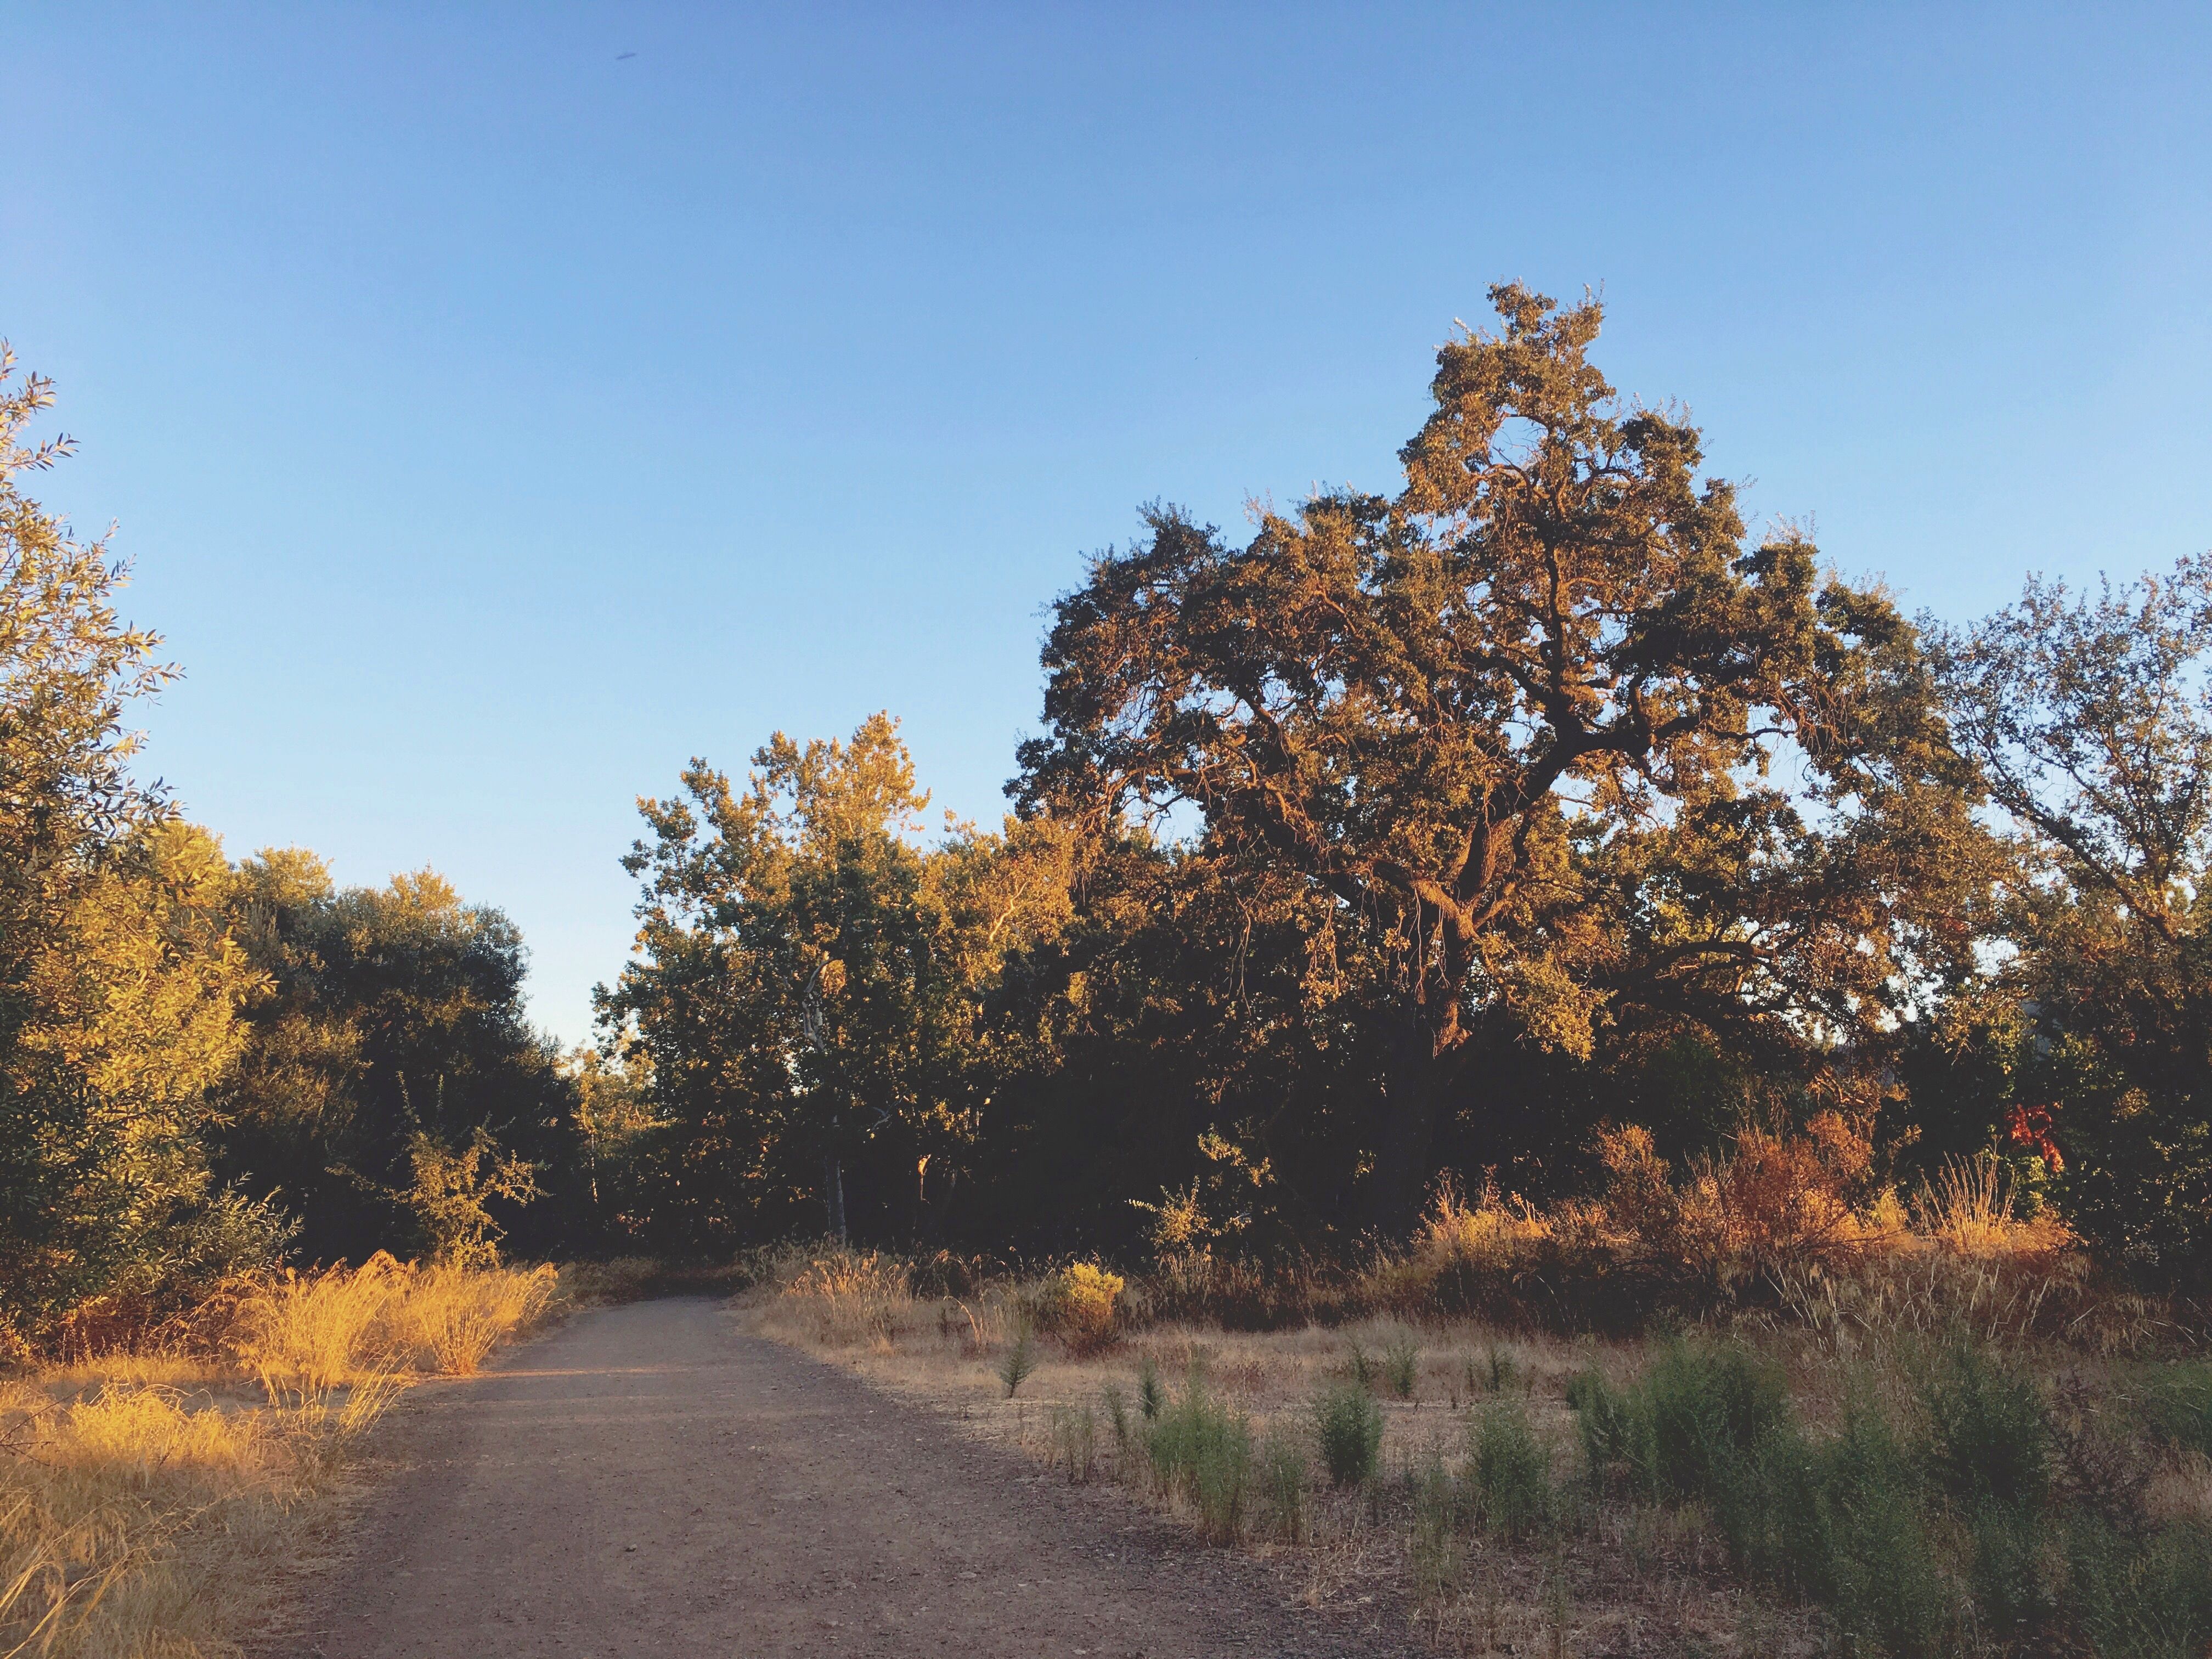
[651, 1480]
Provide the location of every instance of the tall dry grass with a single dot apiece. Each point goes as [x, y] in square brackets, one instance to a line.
[148, 1496]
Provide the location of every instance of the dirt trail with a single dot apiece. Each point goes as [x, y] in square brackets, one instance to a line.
[651, 1480]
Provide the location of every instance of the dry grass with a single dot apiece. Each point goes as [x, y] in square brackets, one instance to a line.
[148, 1499]
[1858, 1307]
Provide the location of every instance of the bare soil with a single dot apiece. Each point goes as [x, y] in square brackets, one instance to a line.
[654, 1480]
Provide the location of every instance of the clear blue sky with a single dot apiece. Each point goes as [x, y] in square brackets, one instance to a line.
[497, 420]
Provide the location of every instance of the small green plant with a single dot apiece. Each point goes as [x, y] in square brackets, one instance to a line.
[1151, 1392]
[1117, 1417]
[1510, 1471]
[1201, 1452]
[1500, 1370]
[1437, 1555]
[1606, 1420]
[1988, 1440]
[1402, 1364]
[1019, 1361]
[1358, 1363]
[1282, 1488]
[1349, 1425]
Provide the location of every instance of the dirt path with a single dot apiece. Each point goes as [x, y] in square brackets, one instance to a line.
[652, 1480]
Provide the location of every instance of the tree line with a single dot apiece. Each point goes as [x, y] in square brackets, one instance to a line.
[1412, 836]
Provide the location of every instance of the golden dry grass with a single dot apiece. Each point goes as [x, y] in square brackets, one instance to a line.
[148, 1500]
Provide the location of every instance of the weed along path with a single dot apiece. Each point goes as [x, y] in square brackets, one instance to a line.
[653, 1480]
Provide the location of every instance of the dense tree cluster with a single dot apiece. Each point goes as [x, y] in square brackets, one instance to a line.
[1425, 835]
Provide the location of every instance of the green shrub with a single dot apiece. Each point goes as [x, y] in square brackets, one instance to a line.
[1358, 1363]
[1988, 1440]
[1019, 1361]
[1349, 1425]
[1880, 1577]
[1606, 1418]
[1151, 1392]
[1705, 1409]
[2011, 1572]
[1402, 1364]
[1438, 1557]
[1282, 1488]
[1203, 1452]
[1499, 1370]
[2149, 1598]
[1510, 1471]
[1117, 1417]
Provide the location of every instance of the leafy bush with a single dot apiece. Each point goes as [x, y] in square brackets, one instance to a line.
[1510, 1471]
[1438, 1556]
[1358, 1363]
[1706, 1408]
[1988, 1440]
[1151, 1392]
[1349, 1425]
[1201, 1452]
[1402, 1364]
[1282, 1488]
[1080, 1306]
[1019, 1361]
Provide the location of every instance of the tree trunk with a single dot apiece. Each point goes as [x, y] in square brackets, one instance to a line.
[833, 1194]
[1417, 1073]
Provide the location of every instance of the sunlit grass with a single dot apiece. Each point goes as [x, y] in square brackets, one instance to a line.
[148, 1498]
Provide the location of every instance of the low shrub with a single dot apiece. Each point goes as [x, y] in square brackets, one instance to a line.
[1019, 1361]
[1509, 1471]
[1281, 1482]
[1402, 1364]
[1436, 1552]
[1348, 1425]
[1201, 1452]
[1987, 1441]
[1080, 1305]
[1151, 1392]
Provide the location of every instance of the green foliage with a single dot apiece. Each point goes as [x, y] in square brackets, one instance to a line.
[1989, 1442]
[1359, 1364]
[2147, 1597]
[1281, 1482]
[1703, 1410]
[1510, 1470]
[2176, 1403]
[1117, 1418]
[1402, 1364]
[2089, 718]
[1383, 699]
[391, 1090]
[1203, 1452]
[1348, 1425]
[1019, 1361]
[1435, 1549]
[1152, 1392]
[118, 984]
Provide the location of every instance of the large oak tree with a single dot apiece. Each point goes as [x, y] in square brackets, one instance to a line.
[1447, 707]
